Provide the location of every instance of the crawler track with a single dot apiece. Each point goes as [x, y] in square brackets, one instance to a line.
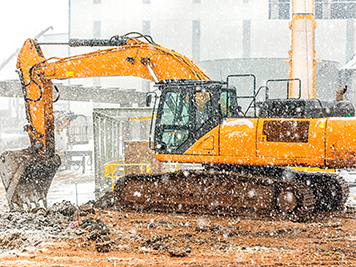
[217, 192]
[330, 190]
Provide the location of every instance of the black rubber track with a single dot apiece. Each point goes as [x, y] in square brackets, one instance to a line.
[213, 192]
[330, 190]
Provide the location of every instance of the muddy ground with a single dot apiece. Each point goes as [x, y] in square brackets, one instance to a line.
[93, 236]
[106, 237]
[167, 239]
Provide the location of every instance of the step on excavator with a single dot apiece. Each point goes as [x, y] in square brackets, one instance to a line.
[248, 153]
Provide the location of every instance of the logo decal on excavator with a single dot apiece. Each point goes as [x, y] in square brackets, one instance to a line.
[69, 73]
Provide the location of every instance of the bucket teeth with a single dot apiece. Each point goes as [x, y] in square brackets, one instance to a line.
[27, 178]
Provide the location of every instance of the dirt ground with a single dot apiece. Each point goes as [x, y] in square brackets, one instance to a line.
[176, 239]
[168, 239]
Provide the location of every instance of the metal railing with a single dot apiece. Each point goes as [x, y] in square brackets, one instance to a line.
[116, 169]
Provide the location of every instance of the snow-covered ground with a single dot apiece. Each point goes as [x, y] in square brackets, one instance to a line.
[350, 177]
[68, 184]
[64, 187]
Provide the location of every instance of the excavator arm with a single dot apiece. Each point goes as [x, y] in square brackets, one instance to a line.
[27, 174]
[130, 57]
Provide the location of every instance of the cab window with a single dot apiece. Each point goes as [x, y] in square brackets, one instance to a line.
[203, 108]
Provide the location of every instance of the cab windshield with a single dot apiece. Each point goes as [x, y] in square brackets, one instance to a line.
[175, 119]
[185, 114]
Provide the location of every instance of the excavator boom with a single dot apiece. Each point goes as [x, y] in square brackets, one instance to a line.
[131, 57]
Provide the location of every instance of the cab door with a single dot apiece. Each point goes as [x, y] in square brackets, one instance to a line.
[291, 138]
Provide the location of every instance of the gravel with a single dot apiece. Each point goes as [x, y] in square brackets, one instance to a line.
[20, 229]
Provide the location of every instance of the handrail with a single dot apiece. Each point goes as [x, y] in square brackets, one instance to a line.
[113, 167]
[246, 96]
[285, 80]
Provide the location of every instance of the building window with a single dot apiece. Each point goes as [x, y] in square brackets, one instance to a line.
[335, 9]
[196, 41]
[146, 27]
[345, 9]
[319, 12]
[324, 9]
[96, 34]
[97, 1]
[96, 81]
[279, 9]
[246, 39]
[146, 1]
[350, 39]
[97, 29]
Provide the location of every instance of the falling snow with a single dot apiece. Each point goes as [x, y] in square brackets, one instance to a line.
[227, 192]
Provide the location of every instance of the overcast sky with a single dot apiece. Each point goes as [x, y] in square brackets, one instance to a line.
[22, 19]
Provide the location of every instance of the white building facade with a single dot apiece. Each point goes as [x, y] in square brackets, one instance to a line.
[216, 29]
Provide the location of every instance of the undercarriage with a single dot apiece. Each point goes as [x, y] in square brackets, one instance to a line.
[274, 192]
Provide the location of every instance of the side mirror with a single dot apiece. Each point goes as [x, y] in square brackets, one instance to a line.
[148, 100]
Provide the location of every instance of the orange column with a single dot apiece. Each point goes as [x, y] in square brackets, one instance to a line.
[302, 53]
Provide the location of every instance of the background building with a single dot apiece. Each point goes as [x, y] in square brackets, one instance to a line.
[221, 36]
[210, 30]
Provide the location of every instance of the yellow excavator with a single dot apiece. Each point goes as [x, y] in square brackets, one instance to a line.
[27, 174]
[245, 153]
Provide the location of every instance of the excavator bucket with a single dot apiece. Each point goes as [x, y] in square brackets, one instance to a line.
[27, 178]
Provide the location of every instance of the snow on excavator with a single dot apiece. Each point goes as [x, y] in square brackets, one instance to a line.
[245, 153]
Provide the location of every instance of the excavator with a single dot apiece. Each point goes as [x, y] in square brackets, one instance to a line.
[252, 158]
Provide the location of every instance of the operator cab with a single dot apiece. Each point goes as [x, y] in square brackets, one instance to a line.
[187, 110]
